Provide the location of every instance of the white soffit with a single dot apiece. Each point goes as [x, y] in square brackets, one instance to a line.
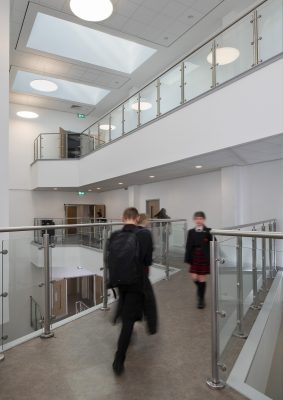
[70, 40]
[71, 91]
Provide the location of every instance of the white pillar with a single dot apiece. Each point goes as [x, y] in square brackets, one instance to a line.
[234, 196]
[133, 192]
[4, 111]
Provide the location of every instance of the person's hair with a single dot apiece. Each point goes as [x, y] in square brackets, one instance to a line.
[143, 218]
[199, 214]
[131, 213]
[162, 214]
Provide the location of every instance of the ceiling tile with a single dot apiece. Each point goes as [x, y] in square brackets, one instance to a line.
[161, 21]
[143, 15]
[126, 7]
[134, 27]
[174, 9]
[204, 6]
[116, 21]
[155, 4]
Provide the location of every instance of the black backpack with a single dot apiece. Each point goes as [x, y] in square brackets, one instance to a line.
[123, 259]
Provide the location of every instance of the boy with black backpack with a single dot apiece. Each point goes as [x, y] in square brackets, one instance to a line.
[129, 256]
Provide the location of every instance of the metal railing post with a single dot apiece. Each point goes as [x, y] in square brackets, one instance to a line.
[105, 274]
[255, 305]
[264, 280]
[214, 65]
[167, 232]
[182, 70]
[270, 251]
[274, 227]
[139, 109]
[215, 382]
[47, 309]
[240, 301]
[158, 98]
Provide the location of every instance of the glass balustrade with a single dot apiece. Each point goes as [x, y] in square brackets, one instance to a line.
[69, 266]
[253, 39]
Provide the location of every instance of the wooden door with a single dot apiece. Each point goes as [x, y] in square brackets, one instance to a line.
[71, 213]
[152, 207]
[100, 211]
[98, 289]
[59, 298]
[63, 142]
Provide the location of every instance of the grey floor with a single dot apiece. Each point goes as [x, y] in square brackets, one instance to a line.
[76, 364]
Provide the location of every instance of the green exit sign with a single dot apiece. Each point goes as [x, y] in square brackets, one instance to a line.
[81, 115]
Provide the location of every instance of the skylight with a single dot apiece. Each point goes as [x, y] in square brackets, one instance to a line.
[71, 91]
[67, 39]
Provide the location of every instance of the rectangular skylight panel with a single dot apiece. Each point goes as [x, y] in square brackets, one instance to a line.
[71, 91]
[66, 39]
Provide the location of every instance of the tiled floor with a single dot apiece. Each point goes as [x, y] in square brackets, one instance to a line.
[76, 364]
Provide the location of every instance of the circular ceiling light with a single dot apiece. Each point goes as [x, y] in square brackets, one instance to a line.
[224, 55]
[152, 176]
[144, 105]
[98, 188]
[105, 127]
[92, 10]
[198, 166]
[120, 183]
[27, 114]
[43, 85]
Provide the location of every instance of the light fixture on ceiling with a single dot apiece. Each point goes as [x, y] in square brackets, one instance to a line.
[144, 105]
[44, 85]
[92, 10]
[27, 114]
[98, 188]
[105, 127]
[89, 190]
[198, 166]
[120, 183]
[152, 176]
[224, 55]
[55, 189]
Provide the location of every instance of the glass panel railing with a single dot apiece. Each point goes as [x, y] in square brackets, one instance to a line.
[131, 114]
[197, 73]
[234, 50]
[270, 29]
[251, 40]
[23, 276]
[170, 89]
[148, 103]
[243, 270]
[86, 145]
[117, 123]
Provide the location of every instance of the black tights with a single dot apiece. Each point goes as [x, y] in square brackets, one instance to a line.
[124, 339]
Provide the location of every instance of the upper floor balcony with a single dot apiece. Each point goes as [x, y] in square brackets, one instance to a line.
[184, 106]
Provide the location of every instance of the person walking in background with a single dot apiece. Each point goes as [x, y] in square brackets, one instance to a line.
[162, 214]
[197, 255]
[129, 257]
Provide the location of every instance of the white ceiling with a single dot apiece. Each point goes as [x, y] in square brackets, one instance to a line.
[172, 27]
[264, 150]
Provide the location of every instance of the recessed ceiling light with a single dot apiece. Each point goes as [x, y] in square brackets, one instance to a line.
[198, 166]
[55, 188]
[90, 190]
[27, 114]
[44, 85]
[224, 55]
[92, 10]
[152, 176]
[144, 105]
[98, 188]
[105, 127]
[120, 183]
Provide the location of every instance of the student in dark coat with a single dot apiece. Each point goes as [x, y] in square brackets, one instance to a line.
[136, 300]
[197, 254]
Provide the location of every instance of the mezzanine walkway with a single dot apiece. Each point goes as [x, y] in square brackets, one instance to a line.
[76, 364]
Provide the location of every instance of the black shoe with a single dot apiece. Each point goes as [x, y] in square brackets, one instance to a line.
[201, 304]
[118, 367]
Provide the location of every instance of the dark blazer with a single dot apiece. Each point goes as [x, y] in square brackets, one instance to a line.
[198, 240]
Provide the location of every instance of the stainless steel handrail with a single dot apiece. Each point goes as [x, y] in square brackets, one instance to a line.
[253, 234]
[49, 227]
[250, 224]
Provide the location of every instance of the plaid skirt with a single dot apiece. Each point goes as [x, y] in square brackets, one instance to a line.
[200, 264]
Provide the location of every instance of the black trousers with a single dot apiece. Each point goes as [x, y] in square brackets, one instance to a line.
[124, 340]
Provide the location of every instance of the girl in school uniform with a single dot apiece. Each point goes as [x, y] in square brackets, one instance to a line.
[197, 255]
